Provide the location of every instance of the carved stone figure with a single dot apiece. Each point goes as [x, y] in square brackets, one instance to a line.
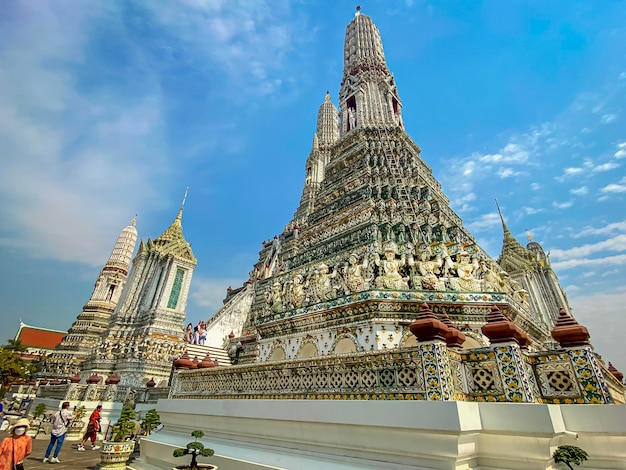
[355, 282]
[429, 269]
[390, 277]
[324, 288]
[298, 295]
[275, 298]
[465, 269]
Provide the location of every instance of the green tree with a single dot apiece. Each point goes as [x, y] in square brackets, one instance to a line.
[150, 421]
[569, 455]
[194, 449]
[12, 367]
[15, 345]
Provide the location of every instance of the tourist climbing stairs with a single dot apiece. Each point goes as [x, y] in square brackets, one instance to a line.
[200, 351]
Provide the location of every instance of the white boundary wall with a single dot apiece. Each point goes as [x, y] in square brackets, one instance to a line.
[392, 435]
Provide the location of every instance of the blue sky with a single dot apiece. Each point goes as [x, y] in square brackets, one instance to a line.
[111, 108]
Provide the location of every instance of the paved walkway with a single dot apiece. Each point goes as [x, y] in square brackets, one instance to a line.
[70, 458]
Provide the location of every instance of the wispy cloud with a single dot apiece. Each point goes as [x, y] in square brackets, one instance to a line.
[577, 254]
[615, 187]
[562, 205]
[605, 167]
[581, 191]
[608, 229]
[83, 150]
[209, 293]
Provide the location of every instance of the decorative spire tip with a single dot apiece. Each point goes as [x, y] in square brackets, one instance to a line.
[358, 10]
[182, 205]
[529, 235]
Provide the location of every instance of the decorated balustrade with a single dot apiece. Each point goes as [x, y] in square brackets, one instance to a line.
[95, 392]
[430, 371]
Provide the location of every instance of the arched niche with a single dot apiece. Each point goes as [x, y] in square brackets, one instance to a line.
[308, 349]
[345, 345]
[278, 354]
[471, 343]
[410, 341]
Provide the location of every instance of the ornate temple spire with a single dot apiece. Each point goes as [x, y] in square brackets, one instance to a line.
[93, 320]
[363, 48]
[123, 250]
[514, 256]
[327, 123]
[368, 95]
[326, 134]
[172, 241]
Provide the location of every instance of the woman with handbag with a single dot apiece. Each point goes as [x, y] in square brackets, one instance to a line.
[15, 448]
[60, 422]
[92, 430]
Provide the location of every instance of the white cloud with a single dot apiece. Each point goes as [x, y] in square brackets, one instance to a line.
[616, 243]
[603, 314]
[572, 171]
[615, 187]
[511, 153]
[601, 262]
[507, 172]
[66, 165]
[209, 293]
[535, 186]
[485, 221]
[605, 167]
[562, 205]
[80, 158]
[608, 229]
[608, 118]
[531, 210]
[579, 191]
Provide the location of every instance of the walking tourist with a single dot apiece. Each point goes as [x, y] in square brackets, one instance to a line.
[92, 430]
[60, 422]
[15, 448]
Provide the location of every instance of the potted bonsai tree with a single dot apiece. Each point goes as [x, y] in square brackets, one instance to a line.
[78, 423]
[150, 422]
[116, 451]
[195, 449]
[38, 414]
[569, 455]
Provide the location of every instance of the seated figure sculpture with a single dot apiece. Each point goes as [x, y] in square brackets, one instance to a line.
[297, 293]
[428, 272]
[324, 288]
[355, 282]
[465, 268]
[274, 298]
[390, 277]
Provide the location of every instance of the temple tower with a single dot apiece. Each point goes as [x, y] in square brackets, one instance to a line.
[93, 321]
[373, 237]
[146, 328]
[529, 268]
[368, 94]
[326, 134]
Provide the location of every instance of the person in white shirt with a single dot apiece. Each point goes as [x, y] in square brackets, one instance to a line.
[60, 422]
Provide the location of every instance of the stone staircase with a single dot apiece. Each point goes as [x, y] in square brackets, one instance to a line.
[215, 353]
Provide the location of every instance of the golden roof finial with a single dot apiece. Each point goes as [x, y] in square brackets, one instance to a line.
[358, 10]
[134, 221]
[529, 235]
[327, 97]
[179, 217]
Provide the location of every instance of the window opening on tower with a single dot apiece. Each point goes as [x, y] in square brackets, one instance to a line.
[351, 105]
